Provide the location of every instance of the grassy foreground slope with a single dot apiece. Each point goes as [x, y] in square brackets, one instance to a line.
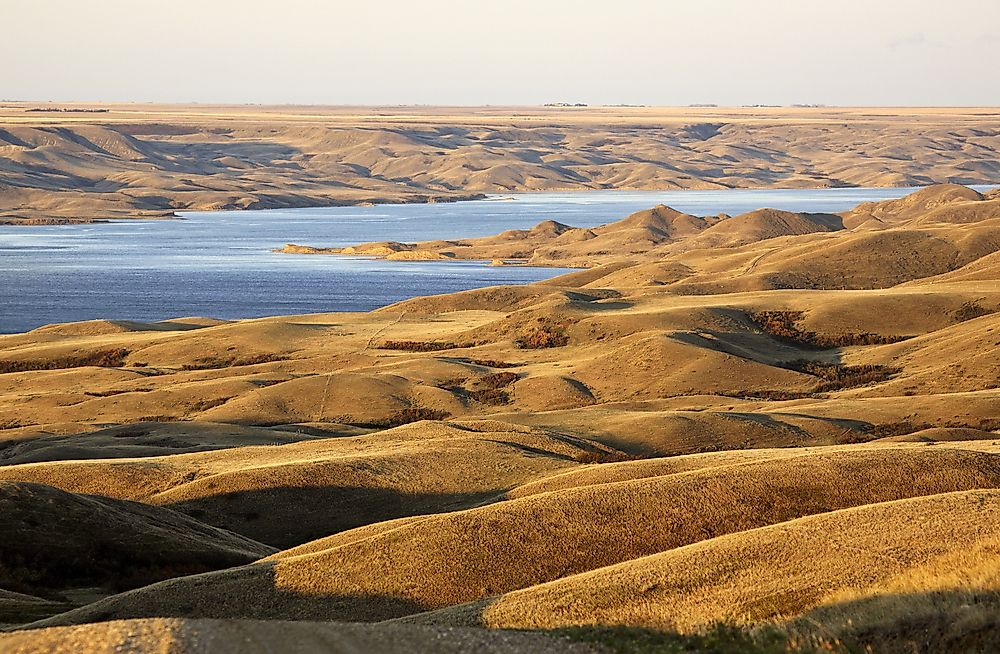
[914, 575]
[438, 561]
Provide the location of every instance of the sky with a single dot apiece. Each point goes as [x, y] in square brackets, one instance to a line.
[502, 52]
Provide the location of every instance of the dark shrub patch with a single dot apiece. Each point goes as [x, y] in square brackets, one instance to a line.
[417, 346]
[769, 395]
[489, 389]
[214, 363]
[542, 337]
[491, 363]
[600, 456]
[497, 380]
[905, 427]
[414, 414]
[970, 310]
[900, 428]
[205, 405]
[782, 325]
[491, 396]
[109, 393]
[114, 358]
[837, 376]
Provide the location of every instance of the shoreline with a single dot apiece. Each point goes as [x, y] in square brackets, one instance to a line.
[7, 221]
[422, 257]
[506, 197]
[556, 240]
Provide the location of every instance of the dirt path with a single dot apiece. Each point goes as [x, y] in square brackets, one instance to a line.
[175, 636]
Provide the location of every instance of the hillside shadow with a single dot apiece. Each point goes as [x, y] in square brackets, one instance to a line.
[761, 348]
[930, 621]
[202, 157]
[766, 421]
[903, 623]
[253, 591]
[945, 621]
[137, 440]
[288, 516]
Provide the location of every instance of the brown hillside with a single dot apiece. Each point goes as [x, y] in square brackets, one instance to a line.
[406, 569]
[289, 494]
[145, 161]
[774, 573]
[54, 542]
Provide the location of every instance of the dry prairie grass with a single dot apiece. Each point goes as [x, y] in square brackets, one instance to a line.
[407, 566]
[950, 603]
[288, 494]
[811, 571]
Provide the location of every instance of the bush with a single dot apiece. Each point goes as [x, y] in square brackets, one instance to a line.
[414, 414]
[489, 389]
[837, 376]
[543, 337]
[497, 380]
[110, 392]
[900, 428]
[214, 363]
[904, 427]
[601, 456]
[970, 310]
[114, 358]
[492, 363]
[491, 396]
[205, 405]
[769, 395]
[417, 346]
[782, 325]
[989, 424]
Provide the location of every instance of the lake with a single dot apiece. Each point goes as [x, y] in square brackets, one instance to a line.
[219, 263]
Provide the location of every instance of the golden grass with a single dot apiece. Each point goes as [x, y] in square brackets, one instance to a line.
[273, 494]
[815, 567]
[407, 566]
[950, 603]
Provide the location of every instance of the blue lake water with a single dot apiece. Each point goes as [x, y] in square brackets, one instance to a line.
[219, 263]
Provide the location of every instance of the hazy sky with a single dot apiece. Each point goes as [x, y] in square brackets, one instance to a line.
[846, 52]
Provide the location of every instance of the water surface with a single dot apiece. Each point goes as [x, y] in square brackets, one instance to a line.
[220, 264]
